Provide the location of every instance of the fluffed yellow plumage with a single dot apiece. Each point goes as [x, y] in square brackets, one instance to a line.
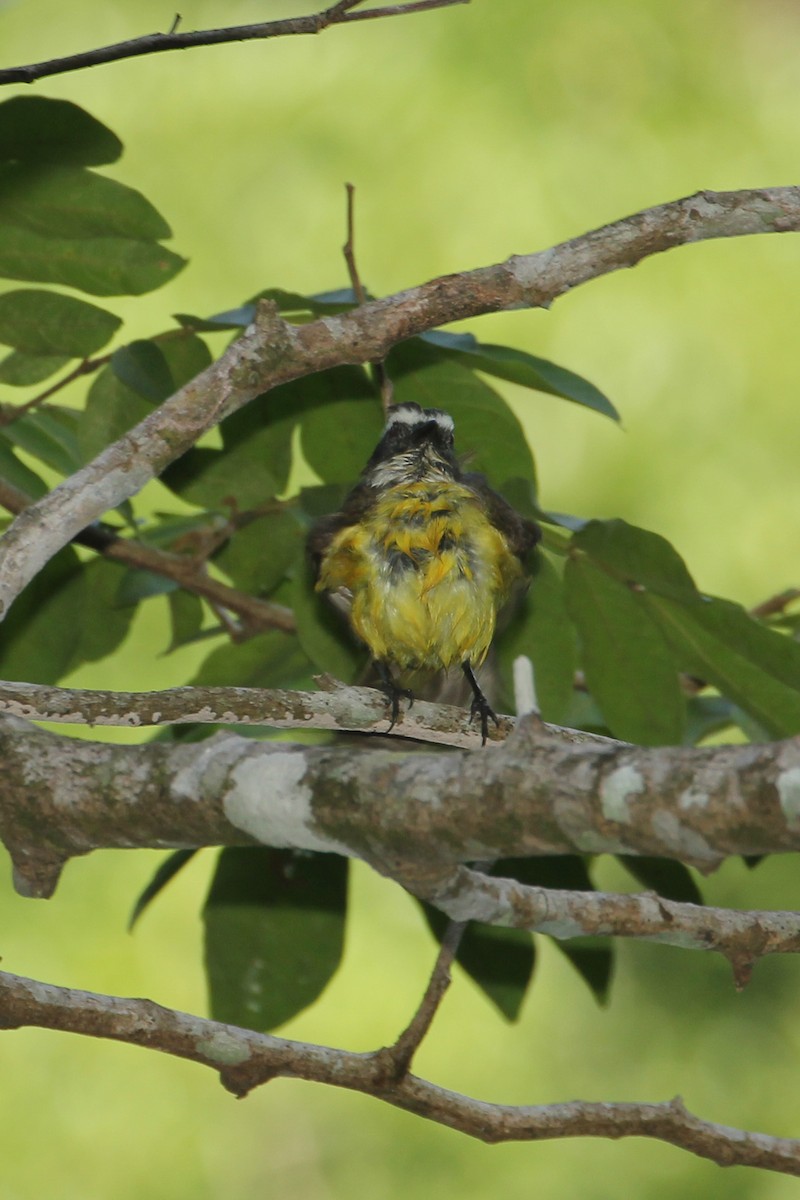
[422, 555]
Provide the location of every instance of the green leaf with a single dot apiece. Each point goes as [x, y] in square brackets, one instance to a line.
[637, 557]
[754, 666]
[323, 632]
[274, 933]
[517, 366]
[143, 368]
[18, 475]
[256, 458]
[341, 423]
[259, 555]
[70, 202]
[272, 659]
[101, 626]
[592, 958]
[39, 322]
[102, 266]
[629, 666]
[166, 872]
[672, 880]
[37, 129]
[185, 617]
[111, 410]
[487, 432]
[49, 434]
[23, 370]
[40, 633]
[138, 584]
[707, 715]
[541, 630]
[499, 960]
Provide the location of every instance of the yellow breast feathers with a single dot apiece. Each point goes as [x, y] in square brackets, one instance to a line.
[427, 572]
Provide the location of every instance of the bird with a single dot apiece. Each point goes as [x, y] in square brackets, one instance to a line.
[422, 557]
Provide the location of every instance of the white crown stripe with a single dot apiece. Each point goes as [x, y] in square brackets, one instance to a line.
[405, 415]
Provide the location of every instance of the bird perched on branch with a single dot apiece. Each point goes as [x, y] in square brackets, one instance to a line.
[422, 556]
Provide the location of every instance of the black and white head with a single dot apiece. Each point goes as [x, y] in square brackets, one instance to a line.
[417, 443]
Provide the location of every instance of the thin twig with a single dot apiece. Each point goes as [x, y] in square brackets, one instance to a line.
[245, 1060]
[401, 1054]
[379, 373]
[154, 43]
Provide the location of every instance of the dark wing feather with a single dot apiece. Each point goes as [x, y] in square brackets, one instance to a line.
[324, 530]
[521, 533]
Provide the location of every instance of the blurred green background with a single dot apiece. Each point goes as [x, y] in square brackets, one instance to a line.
[472, 133]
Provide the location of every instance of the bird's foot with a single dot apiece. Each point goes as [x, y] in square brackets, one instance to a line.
[480, 707]
[394, 695]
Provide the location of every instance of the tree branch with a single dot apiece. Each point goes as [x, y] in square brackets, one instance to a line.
[351, 709]
[186, 570]
[419, 818]
[244, 1060]
[155, 43]
[271, 352]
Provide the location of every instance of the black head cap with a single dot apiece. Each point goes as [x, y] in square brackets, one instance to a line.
[410, 428]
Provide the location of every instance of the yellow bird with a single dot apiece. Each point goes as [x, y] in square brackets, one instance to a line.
[422, 556]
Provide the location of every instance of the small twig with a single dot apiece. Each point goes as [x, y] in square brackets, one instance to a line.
[379, 372]
[245, 1060]
[336, 14]
[176, 20]
[401, 1054]
[775, 605]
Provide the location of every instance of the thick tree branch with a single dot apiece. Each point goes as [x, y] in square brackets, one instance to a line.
[155, 43]
[419, 818]
[244, 1060]
[272, 352]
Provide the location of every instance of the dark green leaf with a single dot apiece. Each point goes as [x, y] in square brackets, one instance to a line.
[40, 322]
[23, 370]
[142, 367]
[111, 410]
[487, 432]
[39, 636]
[341, 423]
[258, 556]
[637, 557]
[235, 318]
[256, 458]
[271, 659]
[707, 715]
[49, 435]
[593, 959]
[102, 266]
[752, 665]
[319, 305]
[102, 627]
[37, 129]
[274, 933]
[499, 960]
[324, 633]
[166, 872]
[672, 880]
[69, 202]
[516, 366]
[541, 630]
[18, 475]
[186, 618]
[629, 666]
[186, 357]
[136, 584]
